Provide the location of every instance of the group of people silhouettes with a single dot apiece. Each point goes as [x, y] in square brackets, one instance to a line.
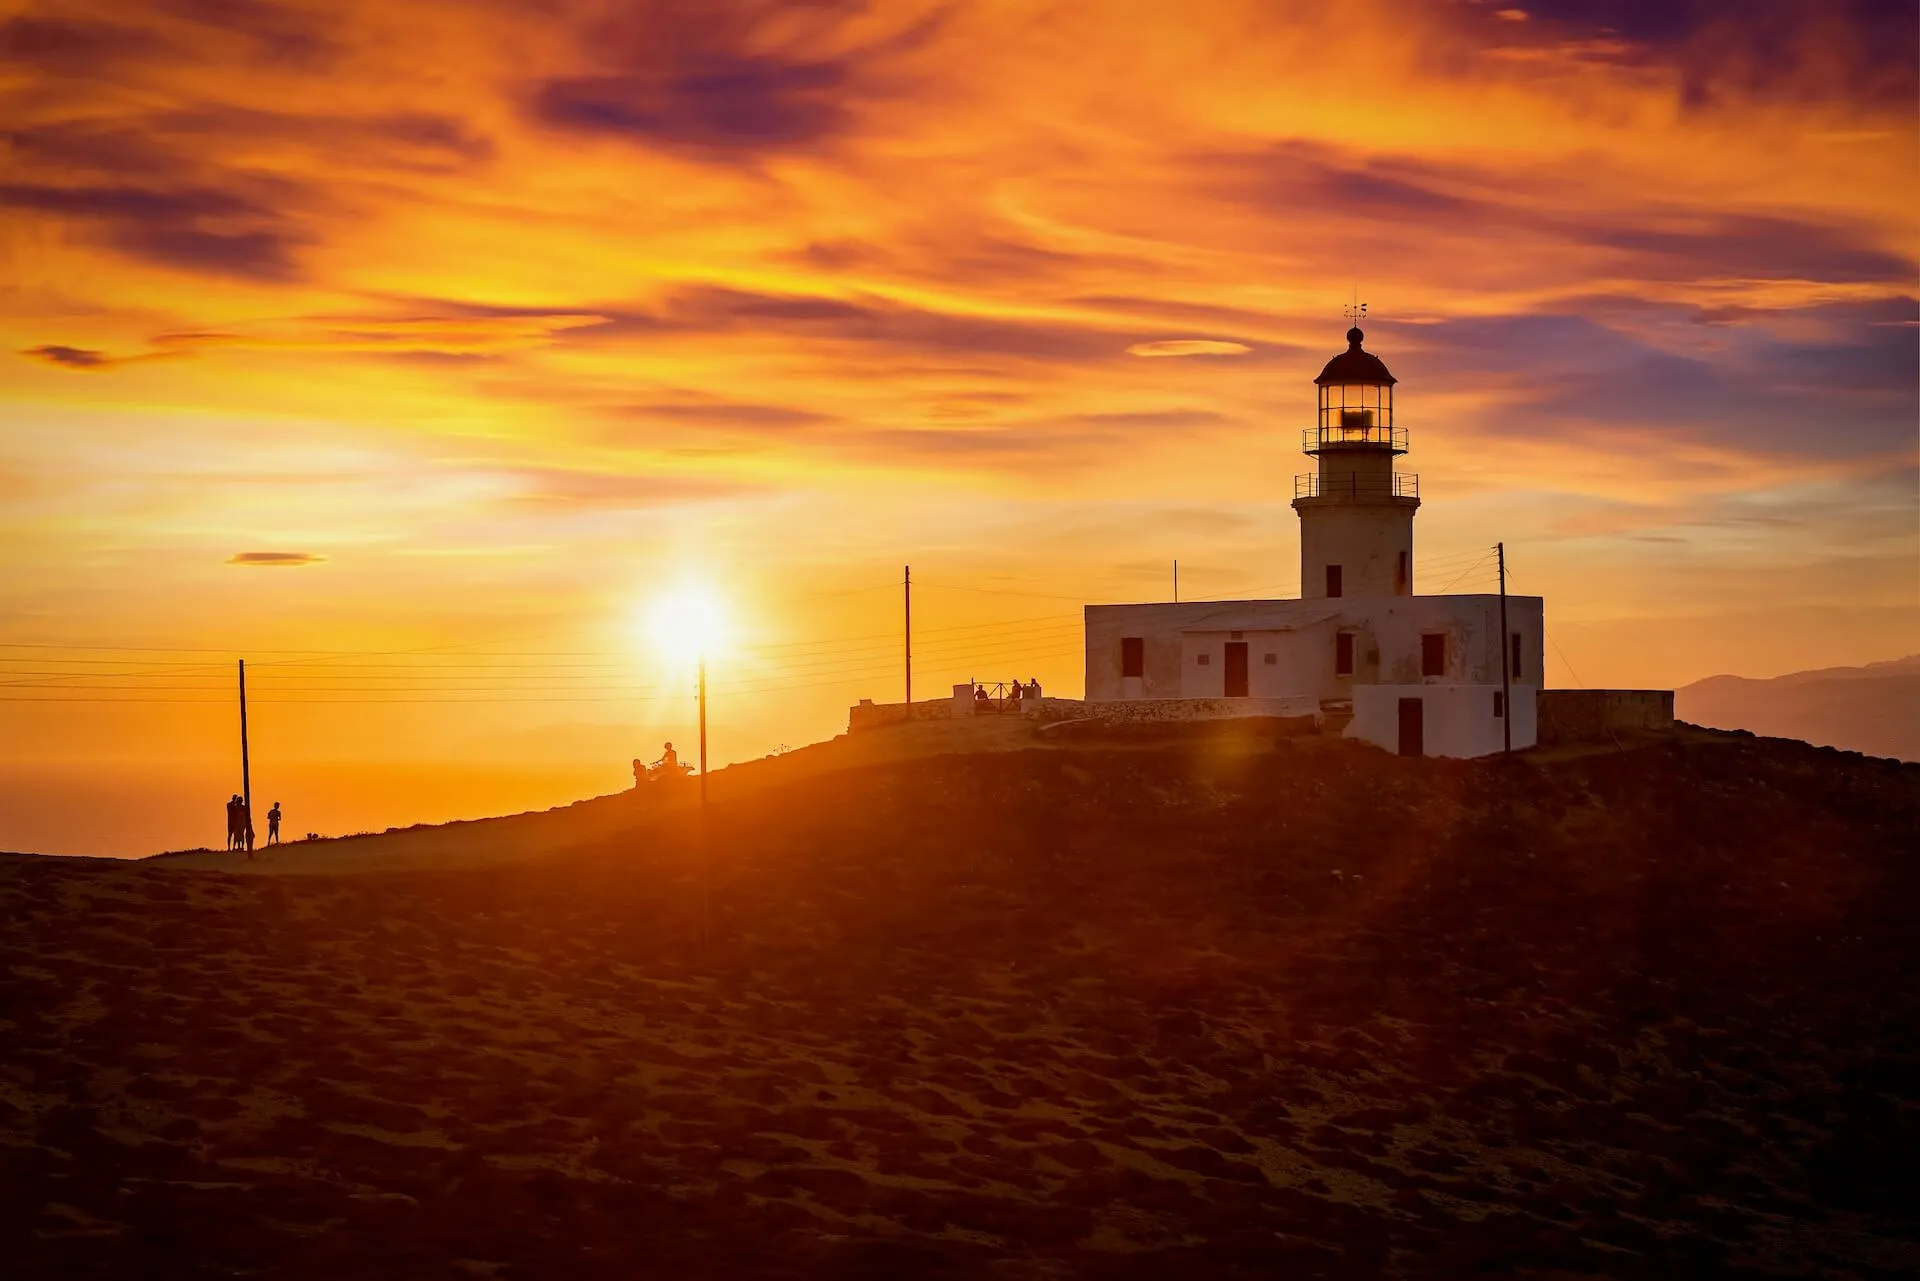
[1015, 693]
[240, 825]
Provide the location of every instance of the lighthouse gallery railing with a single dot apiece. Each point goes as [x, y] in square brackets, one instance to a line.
[1355, 485]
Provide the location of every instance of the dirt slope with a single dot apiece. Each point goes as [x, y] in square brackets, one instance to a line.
[1303, 1011]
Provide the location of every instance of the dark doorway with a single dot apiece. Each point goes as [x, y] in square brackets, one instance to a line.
[1413, 727]
[1236, 673]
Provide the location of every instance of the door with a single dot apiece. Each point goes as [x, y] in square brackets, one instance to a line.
[1236, 673]
[1413, 727]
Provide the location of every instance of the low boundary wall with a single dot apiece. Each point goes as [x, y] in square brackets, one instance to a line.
[1134, 711]
[1583, 715]
[868, 715]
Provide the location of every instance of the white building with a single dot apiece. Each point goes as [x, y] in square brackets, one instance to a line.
[1420, 675]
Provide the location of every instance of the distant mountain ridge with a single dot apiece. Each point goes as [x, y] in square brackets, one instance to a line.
[1873, 709]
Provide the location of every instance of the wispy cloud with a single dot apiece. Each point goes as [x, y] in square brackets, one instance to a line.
[1188, 347]
[274, 559]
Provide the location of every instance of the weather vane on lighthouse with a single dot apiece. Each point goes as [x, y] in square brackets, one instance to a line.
[1355, 313]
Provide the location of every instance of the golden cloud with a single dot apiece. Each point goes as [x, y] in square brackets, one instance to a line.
[1188, 347]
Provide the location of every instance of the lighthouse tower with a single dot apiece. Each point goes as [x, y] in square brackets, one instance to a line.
[1356, 511]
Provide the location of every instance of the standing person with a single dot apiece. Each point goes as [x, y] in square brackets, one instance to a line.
[273, 824]
[233, 822]
[246, 828]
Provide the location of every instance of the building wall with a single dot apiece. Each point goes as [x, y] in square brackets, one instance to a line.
[1364, 538]
[1458, 720]
[1300, 634]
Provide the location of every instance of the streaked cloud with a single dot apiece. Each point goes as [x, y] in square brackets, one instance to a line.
[71, 357]
[274, 559]
[1188, 347]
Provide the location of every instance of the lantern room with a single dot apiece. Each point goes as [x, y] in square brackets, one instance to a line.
[1356, 402]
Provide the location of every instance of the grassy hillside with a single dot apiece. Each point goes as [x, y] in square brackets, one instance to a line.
[1125, 1011]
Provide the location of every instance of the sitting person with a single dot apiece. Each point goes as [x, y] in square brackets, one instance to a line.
[979, 698]
[1016, 692]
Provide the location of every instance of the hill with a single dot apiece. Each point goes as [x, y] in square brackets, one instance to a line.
[1873, 709]
[1245, 1008]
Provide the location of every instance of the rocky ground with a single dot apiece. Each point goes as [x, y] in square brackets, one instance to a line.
[1294, 1008]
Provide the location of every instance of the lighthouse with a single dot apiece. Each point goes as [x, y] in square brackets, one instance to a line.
[1356, 511]
[1357, 651]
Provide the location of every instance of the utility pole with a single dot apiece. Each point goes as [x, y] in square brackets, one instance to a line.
[908, 581]
[706, 874]
[246, 772]
[1176, 580]
[1506, 647]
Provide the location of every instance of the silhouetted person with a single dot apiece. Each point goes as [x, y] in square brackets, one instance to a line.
[273, 824]
[669, 760]
[233, 821]
[639, 771]
[1016, 693]
[979, 699]
[246, 828]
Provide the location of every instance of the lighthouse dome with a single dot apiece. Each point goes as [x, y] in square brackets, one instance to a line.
[1355, 366]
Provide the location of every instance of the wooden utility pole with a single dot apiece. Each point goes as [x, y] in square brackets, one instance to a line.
[908, 582]
[246, 771]
[706, 875]
[1506, 648]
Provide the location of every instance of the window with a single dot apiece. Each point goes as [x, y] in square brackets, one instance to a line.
[1400, 575]
[1433, 654]
[1343, 654]
[1499, 704]
[1271, 659]
[1514, 667]
[1133, 656]
[1333, 580]
[1205, 660]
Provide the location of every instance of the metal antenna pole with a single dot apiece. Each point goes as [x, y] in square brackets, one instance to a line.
[246, 771]
[706, 877]
[1506, 645]
[908, 633]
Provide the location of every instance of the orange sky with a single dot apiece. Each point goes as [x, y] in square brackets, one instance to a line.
[490, 321]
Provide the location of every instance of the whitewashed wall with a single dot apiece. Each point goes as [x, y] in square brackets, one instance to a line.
[1459, 719]
[1300, 634]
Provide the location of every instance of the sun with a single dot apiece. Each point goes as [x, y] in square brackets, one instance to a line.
[687, 624]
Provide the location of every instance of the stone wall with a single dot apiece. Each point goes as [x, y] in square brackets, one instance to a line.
[1139, 710]
[867, 714]
[1585, 715]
